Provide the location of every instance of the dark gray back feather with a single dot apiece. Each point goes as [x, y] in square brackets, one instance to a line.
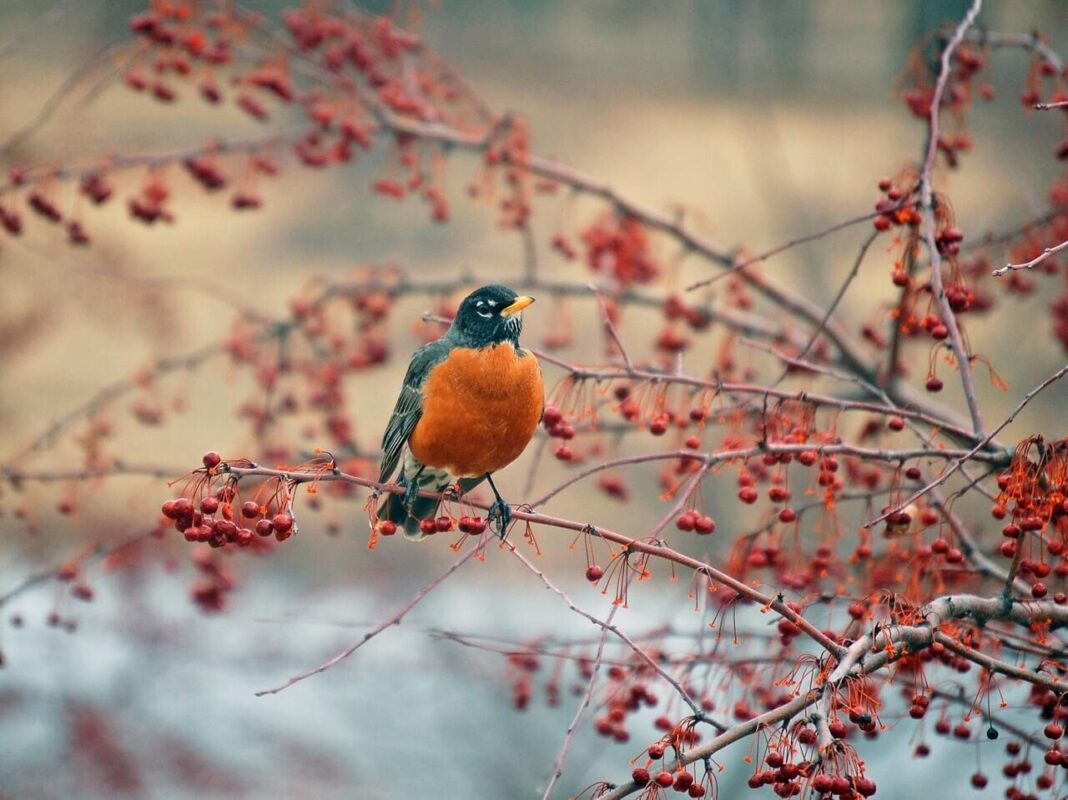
[409, 406]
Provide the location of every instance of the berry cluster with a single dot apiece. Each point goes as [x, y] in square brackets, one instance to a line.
[215, 518]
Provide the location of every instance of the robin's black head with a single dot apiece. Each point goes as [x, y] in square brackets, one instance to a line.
[489, 315]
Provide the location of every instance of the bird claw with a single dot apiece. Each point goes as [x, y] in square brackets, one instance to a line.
[501, 513]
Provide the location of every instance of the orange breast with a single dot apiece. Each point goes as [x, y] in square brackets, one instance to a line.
[480, 410]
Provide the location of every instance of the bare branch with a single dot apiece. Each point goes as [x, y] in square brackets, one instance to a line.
[394, 619]
[1034, 262]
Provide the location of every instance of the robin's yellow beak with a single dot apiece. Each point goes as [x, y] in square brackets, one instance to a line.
[519, 304]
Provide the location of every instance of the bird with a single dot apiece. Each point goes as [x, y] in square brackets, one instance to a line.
[470, 403]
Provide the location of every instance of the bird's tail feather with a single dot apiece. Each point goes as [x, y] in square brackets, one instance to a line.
[408, 517]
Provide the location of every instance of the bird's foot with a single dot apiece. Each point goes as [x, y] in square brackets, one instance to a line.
[500, 515]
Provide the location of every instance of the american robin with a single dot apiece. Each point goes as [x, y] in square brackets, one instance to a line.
[470, 403]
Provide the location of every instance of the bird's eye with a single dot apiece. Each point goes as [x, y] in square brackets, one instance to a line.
[484, 314]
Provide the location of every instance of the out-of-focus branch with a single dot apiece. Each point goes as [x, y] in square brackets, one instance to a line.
[949, 318]
[39, 23]
[1026, 41]
[17, 477]
[87, 555]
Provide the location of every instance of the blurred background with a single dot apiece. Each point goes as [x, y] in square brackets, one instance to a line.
[763, 120]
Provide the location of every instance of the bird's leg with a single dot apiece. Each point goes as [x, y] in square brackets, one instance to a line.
[499, 509]
[411, 487]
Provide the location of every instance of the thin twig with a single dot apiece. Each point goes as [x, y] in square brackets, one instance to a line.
[841, 292]
[786, 246]
[394, 619]
[1034, 262]
[561, 758]
[607, 625]
[962, 460]
[927, 205]
[611, 328]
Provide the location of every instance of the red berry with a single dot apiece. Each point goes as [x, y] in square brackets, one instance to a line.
[705, 525]
[551, 415]
[640, 776]
[778, 494]
[683, 781]
[250, 509]
[594, 573]
[281, 522]
[428, 526]
[864, 786]
[748, 495]
[264, 527]
[387, 527]
[665, 779]
[934, 384]
[211, 459]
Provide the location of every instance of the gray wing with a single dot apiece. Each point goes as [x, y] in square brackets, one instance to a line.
[409, 406]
